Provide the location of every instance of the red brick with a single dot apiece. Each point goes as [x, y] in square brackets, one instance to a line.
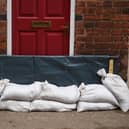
[121, 44]
[104, 24]
[104, 39]
[99, 3]
[79, 24]
[90, 24]
[121, 3]
[79, 27]
[103, 30]
[117, 25]
[121, 18]
[99, 11]
[107, 3]
[90, 11]
[81, 38]
[90, 39]
[108, 11]
[100, 46]
[125, 32]
[107, 51]
[91, 32]
[102, 51]
[92, 17]
[80, 10]
[91, 3]
[125, 24]
[3, 45]
[85, 51]
[117, 11]
[3, 26]
[125, 11]
[79, 31]
[116, 31]
[3, 37]
[3, 6]
[123, 53]
[80, 45]
[80, 4]
[117, 38]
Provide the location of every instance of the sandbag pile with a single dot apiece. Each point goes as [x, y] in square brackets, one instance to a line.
[39, 96]
[54, 98]
[44, 96]
[16, 97]
[95, 97]
[116, 85]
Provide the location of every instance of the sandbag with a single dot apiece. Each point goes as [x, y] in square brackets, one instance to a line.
[3, 84]
[118, 88]
[45, 105]
[21, 92]
[69, 94]
[96, 93]
[86, 106]
[16, 106]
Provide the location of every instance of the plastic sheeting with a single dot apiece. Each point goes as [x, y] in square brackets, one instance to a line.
[60, 70]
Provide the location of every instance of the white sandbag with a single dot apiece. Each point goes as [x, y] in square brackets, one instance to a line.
[16, 106]
[21, 92]
[45, 105]
[86, 106]
[3, 84]
[96, 93]
[69, 94]
[118, 87]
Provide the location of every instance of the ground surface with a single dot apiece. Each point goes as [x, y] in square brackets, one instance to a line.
[68, 120]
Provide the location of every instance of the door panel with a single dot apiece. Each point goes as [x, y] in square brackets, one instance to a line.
[27, 43]
[28, 8]
[57, 46]
[40, 27]
[52, 11]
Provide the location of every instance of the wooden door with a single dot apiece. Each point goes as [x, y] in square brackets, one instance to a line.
[40, 27]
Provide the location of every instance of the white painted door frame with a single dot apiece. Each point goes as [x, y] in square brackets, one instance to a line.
[9, 27]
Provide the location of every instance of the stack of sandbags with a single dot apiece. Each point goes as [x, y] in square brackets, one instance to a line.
[17, 97]
[116, 85]
[95, 97]
[39, 96]
[44, 96]
[54, 98]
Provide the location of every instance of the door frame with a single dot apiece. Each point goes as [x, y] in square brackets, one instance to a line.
[72, 27]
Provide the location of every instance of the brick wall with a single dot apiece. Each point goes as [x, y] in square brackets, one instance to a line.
[3, 35]
[102, 27]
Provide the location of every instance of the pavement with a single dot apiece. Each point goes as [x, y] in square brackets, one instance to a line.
[114, 119]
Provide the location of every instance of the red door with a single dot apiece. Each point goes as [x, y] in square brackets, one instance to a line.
[40, 27]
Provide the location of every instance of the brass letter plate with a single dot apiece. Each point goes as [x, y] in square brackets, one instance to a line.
[41, 24]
